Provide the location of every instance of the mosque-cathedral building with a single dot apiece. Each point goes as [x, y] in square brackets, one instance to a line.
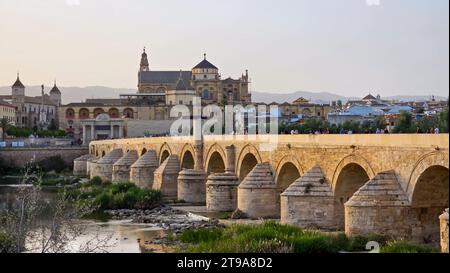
[158, 92]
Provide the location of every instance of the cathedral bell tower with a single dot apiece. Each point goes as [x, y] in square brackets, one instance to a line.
[144, 62]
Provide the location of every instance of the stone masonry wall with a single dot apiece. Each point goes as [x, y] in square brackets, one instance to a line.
[22, 156]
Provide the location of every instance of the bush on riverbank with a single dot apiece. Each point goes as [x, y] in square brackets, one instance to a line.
[116, 196]
[406, 247]
[8, 167]
[7, 244]
[271, 237]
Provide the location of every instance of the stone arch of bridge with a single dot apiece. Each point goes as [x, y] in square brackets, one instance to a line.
[426, 161]
[351, 159]
[288, 170]
[215, 159]
[187, 157]
[429, 199]
[248, 158]
[164, 153]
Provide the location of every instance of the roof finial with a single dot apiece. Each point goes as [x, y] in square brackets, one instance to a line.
[17, 74]
[144, 49]
[181, 73]
[204, 54]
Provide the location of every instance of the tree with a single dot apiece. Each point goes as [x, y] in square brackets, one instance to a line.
[37, 225]
[4, 125]
[443, 121]
[404, 124]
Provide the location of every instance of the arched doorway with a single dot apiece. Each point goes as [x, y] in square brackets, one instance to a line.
[187, 162]
[216, 164]
[429, 199]
[247, 165]
[164, 155]
[286, 176]
[350, 179]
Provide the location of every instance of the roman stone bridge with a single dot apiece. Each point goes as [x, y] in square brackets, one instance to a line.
[395, 185]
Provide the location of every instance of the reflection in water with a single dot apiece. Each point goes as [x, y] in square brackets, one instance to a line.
[123, 236]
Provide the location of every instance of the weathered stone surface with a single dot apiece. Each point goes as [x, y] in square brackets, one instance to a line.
[379, 207]
[142, 171]
[104, 166]
[192, 186]
[80, 165]
[121, 169]
[309, 202]
[22, 156]
[258, 193]
[165, 177]
[221, 192]
[444, 231]
[410, 155]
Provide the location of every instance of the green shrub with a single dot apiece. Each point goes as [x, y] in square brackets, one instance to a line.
[53, 163]
[201, 235]
[406, 247]
[7, 244]
[95, 181]
[104, 200]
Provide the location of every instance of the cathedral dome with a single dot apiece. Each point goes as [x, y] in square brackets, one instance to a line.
[18, 83]
[55, 90]
[205, 64]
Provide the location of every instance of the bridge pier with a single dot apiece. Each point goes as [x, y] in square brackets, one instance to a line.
[165, 177]
[221, 189]
[309, 202]
[104, 166]
[90, 164]
[258, 194]
[80, 165]
[380, 207]
[142, 171]
[444, 231]
[121, 169]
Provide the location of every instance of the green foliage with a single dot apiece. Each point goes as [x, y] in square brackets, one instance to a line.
[116, 196]
[443, 121]
[406, 247]
[18, 132]
[404, 124]
[7, 244]
[59, 181]
[8, 167]
[53, 163]
[271, 237]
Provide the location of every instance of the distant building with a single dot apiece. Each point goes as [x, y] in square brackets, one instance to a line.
[204, 79]
[31, 112]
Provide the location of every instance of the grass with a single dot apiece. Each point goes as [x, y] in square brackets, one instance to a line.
[271, 237]
[407, 247]
[108, 196]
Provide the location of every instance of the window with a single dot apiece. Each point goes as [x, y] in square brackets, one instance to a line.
[181, 102]
[204, 76]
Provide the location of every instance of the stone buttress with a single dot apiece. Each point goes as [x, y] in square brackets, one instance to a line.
[309, 202]
[142, 171]
[165, 177]
[80, 165]
[121, 169]
[104, 166]
[379, 207]
[221, 188]
[258, 193]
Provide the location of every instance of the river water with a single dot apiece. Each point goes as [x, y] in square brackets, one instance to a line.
[122, 236]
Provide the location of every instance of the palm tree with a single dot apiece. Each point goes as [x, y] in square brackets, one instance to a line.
[4, 124]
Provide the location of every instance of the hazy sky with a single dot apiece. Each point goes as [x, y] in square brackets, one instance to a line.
[344, 46]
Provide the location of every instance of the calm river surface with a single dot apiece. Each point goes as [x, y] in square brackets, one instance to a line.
[123, 236]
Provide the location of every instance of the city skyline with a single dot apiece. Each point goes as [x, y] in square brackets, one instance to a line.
[397, 48]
